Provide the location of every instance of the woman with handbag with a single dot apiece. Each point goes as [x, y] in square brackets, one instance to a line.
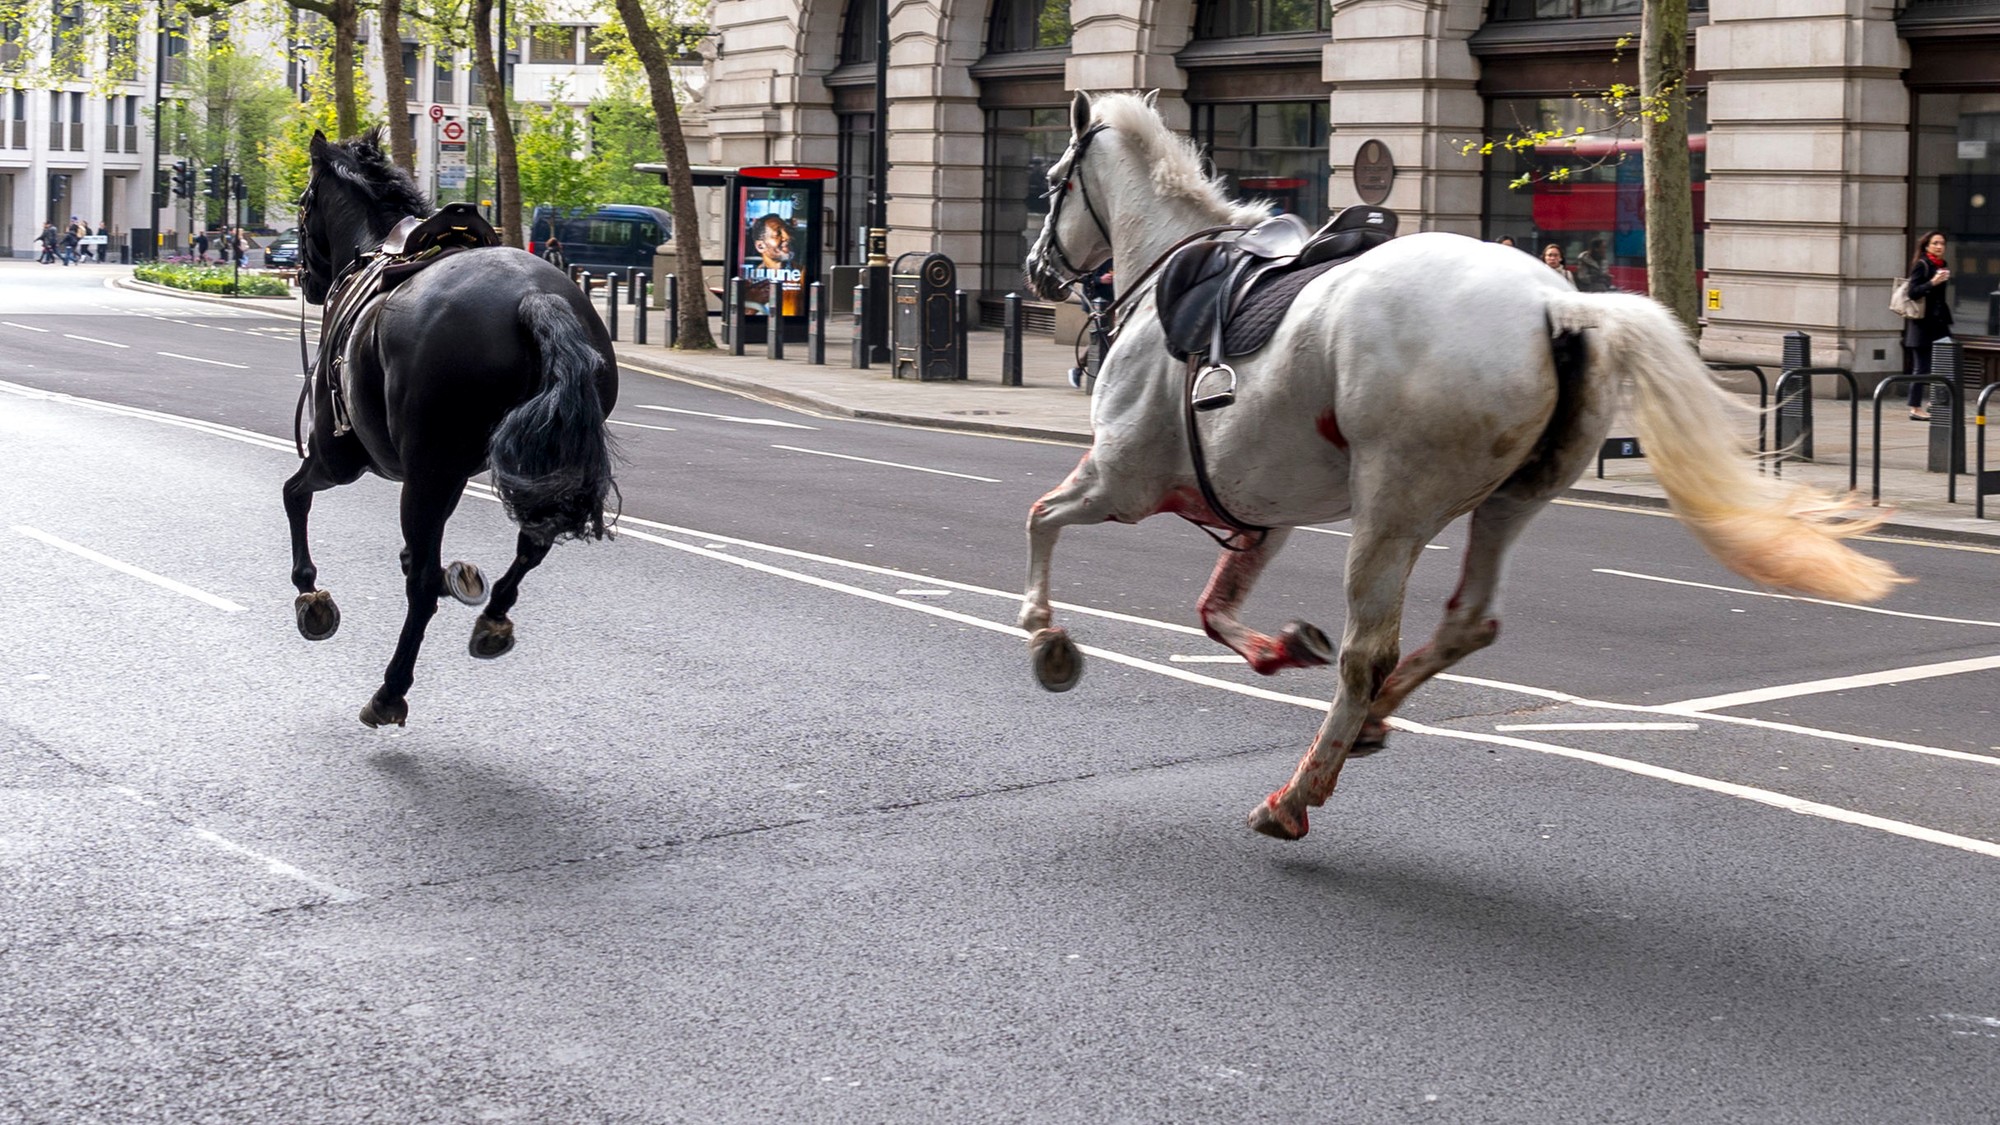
[1928, 276]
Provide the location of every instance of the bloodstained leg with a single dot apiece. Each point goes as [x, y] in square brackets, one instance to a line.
[1299, 646]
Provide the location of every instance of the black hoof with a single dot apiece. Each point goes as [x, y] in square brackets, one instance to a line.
[463, 581]
[490, 638]
[376, 713]
[1306, 644]
[317, 616]
[1057, 663]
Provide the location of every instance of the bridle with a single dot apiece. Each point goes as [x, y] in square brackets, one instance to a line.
[1060, 192]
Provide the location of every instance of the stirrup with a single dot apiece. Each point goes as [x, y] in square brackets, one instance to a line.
[1219, 399]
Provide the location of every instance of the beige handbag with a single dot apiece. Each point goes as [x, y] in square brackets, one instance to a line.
[1904, 305]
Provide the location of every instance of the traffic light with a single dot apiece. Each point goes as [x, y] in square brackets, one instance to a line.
[183, 180]
[212, 181]
[159, 183]
[236, 187]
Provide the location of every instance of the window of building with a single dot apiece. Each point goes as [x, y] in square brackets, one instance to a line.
[859, 32]
[1955, 188]
[71, 47]
[552, 43]
[177, 49]
[1021, 146]
[852, 185]
[409, 70]
[476, 86]
[1601, 204]
[1237, 19]
[593, 47]
[444, 78]
[1273, 151]
[1573, 9]
[10, 44]
[1028, 25]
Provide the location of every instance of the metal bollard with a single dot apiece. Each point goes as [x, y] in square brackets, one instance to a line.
[1010, 341]
[732, 316]
[611, 302]
[860, 359]
[642, 285]
[1795, 412]
[573, 271]
[583, 279]
[632, 286]
[671, 299]
[774, 321]
[964, 371]
[1946, 453]
[816, 323]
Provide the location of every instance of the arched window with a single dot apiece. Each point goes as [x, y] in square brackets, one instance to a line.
[1238, 19]
[1028, 25]
[860, 31]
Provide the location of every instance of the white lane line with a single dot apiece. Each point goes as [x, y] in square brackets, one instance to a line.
[333, 891]
[95, 340]
[1350, 535]
[1837, 683]
[642, 426]
[1795, 598]
[202, 596]
[1208, 658]
[1596, 726]
[24, 327]
[725, 417]
[198, 359]
[888, 464]
[923, 593]
[1767, 797]
[215, 429]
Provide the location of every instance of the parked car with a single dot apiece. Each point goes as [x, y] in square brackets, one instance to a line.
[282, 252]
[616, 236]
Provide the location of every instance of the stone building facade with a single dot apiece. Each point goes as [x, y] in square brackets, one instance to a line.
[1826, 133]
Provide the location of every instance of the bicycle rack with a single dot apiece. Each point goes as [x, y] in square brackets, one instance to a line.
[1875, 477]
[1982, 482]
[1804, 374]
[1763, 402]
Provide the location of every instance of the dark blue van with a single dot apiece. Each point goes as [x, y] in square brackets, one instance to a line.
[616, 236]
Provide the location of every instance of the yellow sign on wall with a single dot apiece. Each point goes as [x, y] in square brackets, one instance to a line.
[1715, 298]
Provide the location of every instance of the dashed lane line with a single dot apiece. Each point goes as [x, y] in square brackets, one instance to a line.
[889, 464]
[125, 568]
[198, 359]
[1796, 598]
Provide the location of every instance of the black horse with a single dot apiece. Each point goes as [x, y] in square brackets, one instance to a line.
[482, 357]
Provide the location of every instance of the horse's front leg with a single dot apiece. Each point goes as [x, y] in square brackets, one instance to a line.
[492, 632]
[1089, 495]
[318, 617]
[1299, 645]
[428, 501]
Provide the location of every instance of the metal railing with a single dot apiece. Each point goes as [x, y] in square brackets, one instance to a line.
[1983, 482]
[1803, 375]
[1875, 473]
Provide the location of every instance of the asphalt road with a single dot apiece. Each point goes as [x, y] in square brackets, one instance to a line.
[764, 818]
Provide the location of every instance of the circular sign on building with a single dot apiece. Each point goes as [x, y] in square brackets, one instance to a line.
[1374, 172]
[455, 131]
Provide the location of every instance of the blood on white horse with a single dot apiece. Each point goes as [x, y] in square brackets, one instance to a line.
[1432, 377]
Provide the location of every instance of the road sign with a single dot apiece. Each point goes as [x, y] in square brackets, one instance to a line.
[451, 156]
[453, 131]
[437, 112]
[451, 177]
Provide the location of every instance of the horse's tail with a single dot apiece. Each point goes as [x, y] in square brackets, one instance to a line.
[551, 455]
[1774, 532]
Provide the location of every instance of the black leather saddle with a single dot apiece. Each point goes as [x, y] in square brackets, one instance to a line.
[1223, 298]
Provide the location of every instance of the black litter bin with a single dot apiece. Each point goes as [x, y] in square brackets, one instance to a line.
[924, 322]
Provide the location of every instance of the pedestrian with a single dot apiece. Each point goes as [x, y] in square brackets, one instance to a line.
[48, 240]
[1928, 276]
[1504, 240]
[1593, 270]
[69, 247]
[201, 246]
[552, 252]
[104, 246]
[1552, 257]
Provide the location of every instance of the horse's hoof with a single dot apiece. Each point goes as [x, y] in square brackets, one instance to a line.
[376, 713]
[1373, 737]
[463, 581]
[1278, 821]
[1305, 645]
[1058, 666]
[317, 616]
[490, 638]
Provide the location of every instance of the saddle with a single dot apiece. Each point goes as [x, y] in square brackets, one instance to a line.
[1223, 298]
[412, 246]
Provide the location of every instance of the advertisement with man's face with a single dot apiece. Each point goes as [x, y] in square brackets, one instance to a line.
[777, 224]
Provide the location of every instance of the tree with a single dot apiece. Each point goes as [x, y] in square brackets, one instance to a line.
[234, 107]
[622, 134]
[658, 64]
[395, 88]
[500, 124]
[551, 147]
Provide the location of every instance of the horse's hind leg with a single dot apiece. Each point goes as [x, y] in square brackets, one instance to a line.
[492, 632]
[314, 610]
[1299, 645]
[1471, 618]
[428, 501]
[1378, 571]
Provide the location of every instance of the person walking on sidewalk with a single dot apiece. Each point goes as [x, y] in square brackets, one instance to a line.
[1552, 257]
[69, 247]
[48, 241]
[1928, 276]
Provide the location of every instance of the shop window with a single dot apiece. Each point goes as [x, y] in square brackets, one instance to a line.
[1599, 203]
[1021, 146]
[552, 43]
[1238, 19]
[1573, 9]
[1955, 188]
[1028, 25]
[859, 31]
[1273, 151]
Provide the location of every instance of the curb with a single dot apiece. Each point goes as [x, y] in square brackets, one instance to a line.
[137, 286]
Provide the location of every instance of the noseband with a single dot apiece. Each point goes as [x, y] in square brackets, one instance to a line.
[1060, 192]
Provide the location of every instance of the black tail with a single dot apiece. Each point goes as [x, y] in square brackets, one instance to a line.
[551, 456]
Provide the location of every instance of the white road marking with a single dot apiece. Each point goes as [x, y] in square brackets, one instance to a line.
[95, 340]
[1837, 683]
[725, 417]
[888, 464]
[641, 426]
[924, 593]
[24, 327]
[1596, 726]
[1796, 598]
[202, 596]
[215, 429]
[1206, 658]
[198, 359]
[1350, 535]
[333, 891]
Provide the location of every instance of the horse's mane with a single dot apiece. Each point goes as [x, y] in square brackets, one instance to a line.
[383, 188]
[1174, 160]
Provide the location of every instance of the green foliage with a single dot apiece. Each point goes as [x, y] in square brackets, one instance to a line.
[623, 133]
[235, 107]
[549, 149]
[212, 279]
[287, 155]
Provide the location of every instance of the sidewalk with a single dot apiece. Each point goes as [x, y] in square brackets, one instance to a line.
[1049, 409]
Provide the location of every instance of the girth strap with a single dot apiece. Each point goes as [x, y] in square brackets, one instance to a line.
[1246, 535]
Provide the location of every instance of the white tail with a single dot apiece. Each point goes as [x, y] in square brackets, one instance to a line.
[1773, 532]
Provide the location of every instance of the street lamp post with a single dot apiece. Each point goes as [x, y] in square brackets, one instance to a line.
[877, 309]
[159, 119]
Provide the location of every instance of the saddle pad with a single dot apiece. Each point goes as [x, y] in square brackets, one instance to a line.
[1257, 317]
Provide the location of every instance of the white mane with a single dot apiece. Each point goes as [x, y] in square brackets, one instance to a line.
[1174, 160]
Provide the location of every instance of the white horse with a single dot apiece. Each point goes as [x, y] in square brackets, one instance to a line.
[1433, 376]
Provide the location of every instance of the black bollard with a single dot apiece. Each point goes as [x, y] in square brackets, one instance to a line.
[860, 360]
[671, 299]
[583, 280]
[964, 371]
[732, 316]
[1795, 413]
[815, 323]
[1010, 341]
[611, 302]
[1947, 433]
[642, 296]
[774, 321]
